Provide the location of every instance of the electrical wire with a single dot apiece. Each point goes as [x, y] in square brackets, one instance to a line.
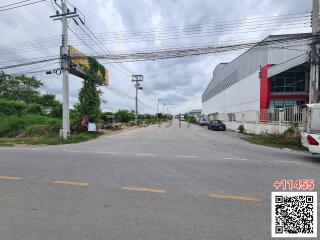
[210, 49]
[98, 42]
[181, 52]
[128, 71]
[106, 50]
[8, 5]
[28, 63]
[89, 46]
[27, 4]
[176, 33]
[142, 38]
[42, 69]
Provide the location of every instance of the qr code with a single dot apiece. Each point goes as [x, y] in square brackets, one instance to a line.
[294, 214]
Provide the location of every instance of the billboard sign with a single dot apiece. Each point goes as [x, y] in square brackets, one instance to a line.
[80, 65]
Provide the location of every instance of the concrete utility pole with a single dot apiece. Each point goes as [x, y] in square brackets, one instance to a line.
[65, 77]
[137, 79]
[314, 68]
[66, 13]
[158, 110]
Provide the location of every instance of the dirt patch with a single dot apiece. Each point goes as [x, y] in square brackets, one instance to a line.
[124, 128]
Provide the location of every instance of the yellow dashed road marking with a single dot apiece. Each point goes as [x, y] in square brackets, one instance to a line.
[135, 189]
[10, 178]
[82, 184]
[232, 197]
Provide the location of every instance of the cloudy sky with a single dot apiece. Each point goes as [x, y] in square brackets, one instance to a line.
[28, 32]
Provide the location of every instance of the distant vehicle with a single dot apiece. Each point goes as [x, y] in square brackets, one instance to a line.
[182, 118]
[310, 135]
[203, 122]
[216, 125]
[109, 122]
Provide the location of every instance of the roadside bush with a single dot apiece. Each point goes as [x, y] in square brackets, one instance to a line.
[75, 120]
[293, 130]
[34, 108]
[241, 128]
[191, 119]
[104, 114]
[28, 124]
[277, 140]
[16, 107]
[11, 107]
[124, 116]
[39, 130]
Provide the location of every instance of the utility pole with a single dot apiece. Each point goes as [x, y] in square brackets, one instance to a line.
[65, 76]
[158, 110]
[137, 79]
[314, 68]
[66, 13]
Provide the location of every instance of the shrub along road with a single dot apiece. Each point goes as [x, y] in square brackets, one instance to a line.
[150, 183]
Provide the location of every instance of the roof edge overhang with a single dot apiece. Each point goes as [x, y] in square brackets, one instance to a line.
[293, 62]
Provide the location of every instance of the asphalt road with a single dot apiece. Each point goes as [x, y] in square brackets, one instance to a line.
[151, 183]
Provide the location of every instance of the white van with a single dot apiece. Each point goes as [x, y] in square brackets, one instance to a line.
[310, 134]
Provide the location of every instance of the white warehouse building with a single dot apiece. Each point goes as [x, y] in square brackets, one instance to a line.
[267, 76]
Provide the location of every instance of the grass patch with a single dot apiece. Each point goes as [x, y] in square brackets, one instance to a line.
[5, 142]
[28, 125]
[277, 140]
[52, 139]
[33, 129]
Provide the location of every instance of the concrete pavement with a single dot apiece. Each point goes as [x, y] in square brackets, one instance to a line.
[152, 183]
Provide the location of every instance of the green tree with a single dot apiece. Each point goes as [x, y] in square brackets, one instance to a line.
[89, 99]
[124, 116]
[19, 87]
[49, 102]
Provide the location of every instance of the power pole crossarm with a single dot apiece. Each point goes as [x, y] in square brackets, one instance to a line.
[137, 79]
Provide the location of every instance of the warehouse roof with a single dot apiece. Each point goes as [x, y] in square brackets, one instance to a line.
[249, 62]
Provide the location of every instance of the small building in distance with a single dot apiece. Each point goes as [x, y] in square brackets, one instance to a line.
[195, 113]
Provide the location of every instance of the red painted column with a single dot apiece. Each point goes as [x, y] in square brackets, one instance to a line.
[265, 92]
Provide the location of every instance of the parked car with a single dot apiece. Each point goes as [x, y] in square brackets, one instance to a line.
[203, 122]
[217, 125]
[310, 134]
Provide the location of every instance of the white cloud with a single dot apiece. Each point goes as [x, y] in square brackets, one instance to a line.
[176, 81]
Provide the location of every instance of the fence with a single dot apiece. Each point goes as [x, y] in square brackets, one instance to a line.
[287, 115]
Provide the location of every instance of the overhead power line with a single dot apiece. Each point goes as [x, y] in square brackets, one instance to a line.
[200, 50]
[183, 52]
[191, 31]
[13, 7]
[55, 44]
[11, 4]
[170, 29]
[37, 69]
[28, 63]
[96, 41]
[106, 50]
[90, 47]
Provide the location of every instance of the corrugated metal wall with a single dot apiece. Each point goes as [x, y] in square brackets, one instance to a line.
[225, 75]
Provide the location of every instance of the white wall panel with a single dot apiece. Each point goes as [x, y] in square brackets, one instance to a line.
[242, 96]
